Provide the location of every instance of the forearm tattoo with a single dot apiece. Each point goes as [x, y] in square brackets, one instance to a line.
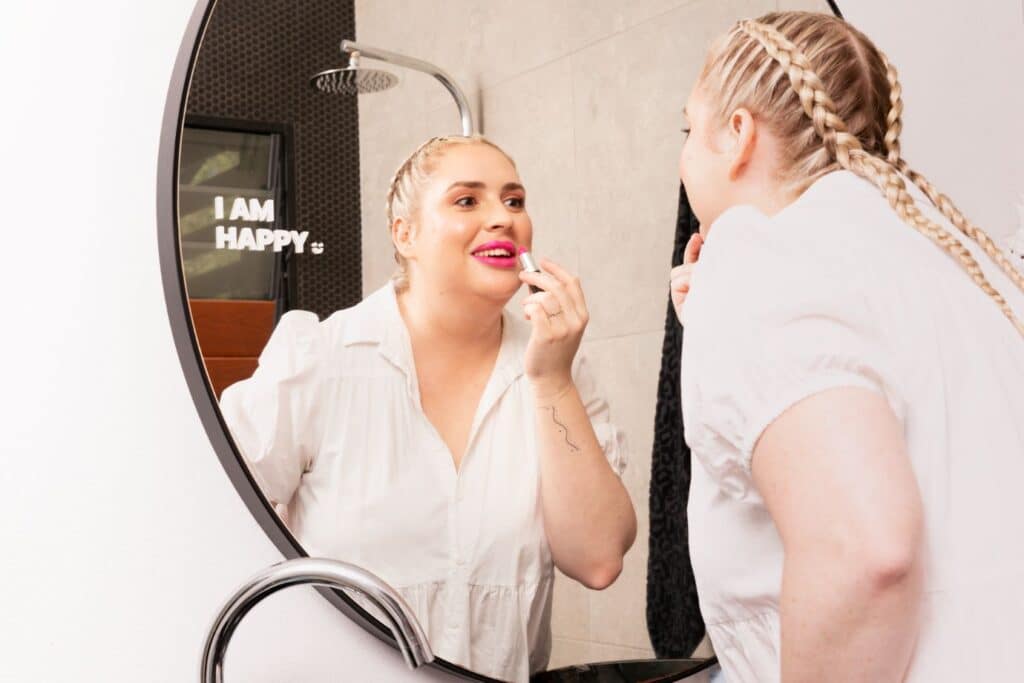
[563, 428]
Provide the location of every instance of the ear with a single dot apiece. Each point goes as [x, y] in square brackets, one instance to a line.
[742, 131]
[403, 235]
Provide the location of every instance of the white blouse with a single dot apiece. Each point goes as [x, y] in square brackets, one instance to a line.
[332, 427]
[837, 291]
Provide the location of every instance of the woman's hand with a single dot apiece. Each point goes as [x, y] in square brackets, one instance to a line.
[682, 275]
[559, 315]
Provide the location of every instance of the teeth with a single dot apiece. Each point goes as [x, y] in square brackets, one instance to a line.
[494, 252]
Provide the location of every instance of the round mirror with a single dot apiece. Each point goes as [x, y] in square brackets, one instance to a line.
[384, 413]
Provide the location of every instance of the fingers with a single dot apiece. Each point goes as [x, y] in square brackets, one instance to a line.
[681, 277]
[570, 282]
[549, 327]
[547, 301]
[693, 246]
[563, 286]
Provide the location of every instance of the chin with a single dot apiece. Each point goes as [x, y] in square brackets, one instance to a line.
[499, 290]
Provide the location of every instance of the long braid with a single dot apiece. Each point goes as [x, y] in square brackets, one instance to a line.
[942, 202]
[851, 155]
[894, 119]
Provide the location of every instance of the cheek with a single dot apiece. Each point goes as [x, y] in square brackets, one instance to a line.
[526, 231]
[684, 162]
[698, 176]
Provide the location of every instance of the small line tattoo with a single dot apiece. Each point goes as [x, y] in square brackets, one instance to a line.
[565, 430]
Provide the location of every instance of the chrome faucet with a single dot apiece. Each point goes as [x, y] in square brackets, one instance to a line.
[318, 572]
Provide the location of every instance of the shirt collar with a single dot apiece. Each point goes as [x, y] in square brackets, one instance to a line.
[377, 320]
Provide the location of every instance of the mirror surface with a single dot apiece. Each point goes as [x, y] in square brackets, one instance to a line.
[282, 191]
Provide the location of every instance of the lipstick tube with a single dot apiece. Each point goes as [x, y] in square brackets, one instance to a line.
[530, 266]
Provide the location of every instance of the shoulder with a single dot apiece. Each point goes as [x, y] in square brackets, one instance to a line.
[812, 257]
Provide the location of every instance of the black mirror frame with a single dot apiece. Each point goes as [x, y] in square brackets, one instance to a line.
[189, 356]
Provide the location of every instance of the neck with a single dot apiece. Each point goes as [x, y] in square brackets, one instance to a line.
[771, 198]
[445, 322]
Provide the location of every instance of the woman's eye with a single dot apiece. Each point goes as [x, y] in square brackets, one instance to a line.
[686, 131]
[516, 202]
[466, 201]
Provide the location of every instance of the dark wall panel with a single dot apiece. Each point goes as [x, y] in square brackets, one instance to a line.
[254, 65]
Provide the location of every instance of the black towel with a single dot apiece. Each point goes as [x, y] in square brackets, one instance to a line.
[674, 622]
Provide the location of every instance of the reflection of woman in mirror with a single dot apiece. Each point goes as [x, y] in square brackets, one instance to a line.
[426, 434]
[853, 379]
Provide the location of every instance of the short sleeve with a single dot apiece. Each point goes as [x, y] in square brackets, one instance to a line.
[273, 416]
[768, 326]
[612, 439]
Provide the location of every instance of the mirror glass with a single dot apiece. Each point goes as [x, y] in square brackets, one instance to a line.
[282, 222]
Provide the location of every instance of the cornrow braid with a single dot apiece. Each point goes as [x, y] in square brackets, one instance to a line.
[894, 119]
[883, 173]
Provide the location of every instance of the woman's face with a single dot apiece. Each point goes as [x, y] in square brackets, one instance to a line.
[703, 166]
[470, 224]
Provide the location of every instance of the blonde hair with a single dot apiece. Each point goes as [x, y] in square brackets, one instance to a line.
[814, 57]
[408, 181]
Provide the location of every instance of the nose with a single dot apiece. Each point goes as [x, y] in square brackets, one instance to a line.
[500, 217]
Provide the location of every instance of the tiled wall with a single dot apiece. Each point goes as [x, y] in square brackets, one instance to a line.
[586, 96]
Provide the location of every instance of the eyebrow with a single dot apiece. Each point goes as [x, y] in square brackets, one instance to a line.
[687, 115]
[477, 185]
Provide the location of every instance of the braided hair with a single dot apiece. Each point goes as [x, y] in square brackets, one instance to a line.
[814, 57]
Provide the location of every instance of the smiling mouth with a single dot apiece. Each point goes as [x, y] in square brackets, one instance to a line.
[498, 254]
[503, 253]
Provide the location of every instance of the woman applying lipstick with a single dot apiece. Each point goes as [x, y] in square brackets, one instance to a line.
[427, 434]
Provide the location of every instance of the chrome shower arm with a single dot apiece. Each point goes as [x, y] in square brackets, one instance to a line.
[349, 46]
[317, 572]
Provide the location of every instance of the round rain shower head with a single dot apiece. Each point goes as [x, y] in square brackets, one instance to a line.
[353, 80]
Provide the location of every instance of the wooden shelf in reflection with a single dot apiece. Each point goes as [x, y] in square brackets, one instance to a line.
[231, 334]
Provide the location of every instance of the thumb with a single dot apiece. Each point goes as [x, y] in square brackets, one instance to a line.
[693, 247]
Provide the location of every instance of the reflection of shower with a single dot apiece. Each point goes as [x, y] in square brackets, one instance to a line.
[357, 80]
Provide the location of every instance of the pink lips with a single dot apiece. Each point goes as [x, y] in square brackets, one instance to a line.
[497, 261]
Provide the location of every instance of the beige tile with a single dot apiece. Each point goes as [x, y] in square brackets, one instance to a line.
[618, 613]
[566, 652]
[593, 21]
[504, 39]
[604, 652]
[382, 148]
[531, 118]
[626, 369]
[805, 5]
[628, 92]
[446, 118]
[627, 372]
[704, 648]
[477, 43]
[570, 611]
[378, 26]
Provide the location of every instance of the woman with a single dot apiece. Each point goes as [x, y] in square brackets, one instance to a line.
[853, 379]
[429, 436]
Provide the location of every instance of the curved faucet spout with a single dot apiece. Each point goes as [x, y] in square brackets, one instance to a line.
[317, 572]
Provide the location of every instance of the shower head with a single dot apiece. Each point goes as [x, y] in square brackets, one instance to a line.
[353, 79]
[356, 80]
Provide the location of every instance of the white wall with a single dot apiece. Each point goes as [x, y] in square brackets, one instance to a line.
[962, 67]
[120, 533]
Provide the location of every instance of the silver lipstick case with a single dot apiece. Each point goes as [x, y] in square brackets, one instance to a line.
[530, 266]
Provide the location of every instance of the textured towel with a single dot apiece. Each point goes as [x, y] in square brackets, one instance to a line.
[673, 616]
